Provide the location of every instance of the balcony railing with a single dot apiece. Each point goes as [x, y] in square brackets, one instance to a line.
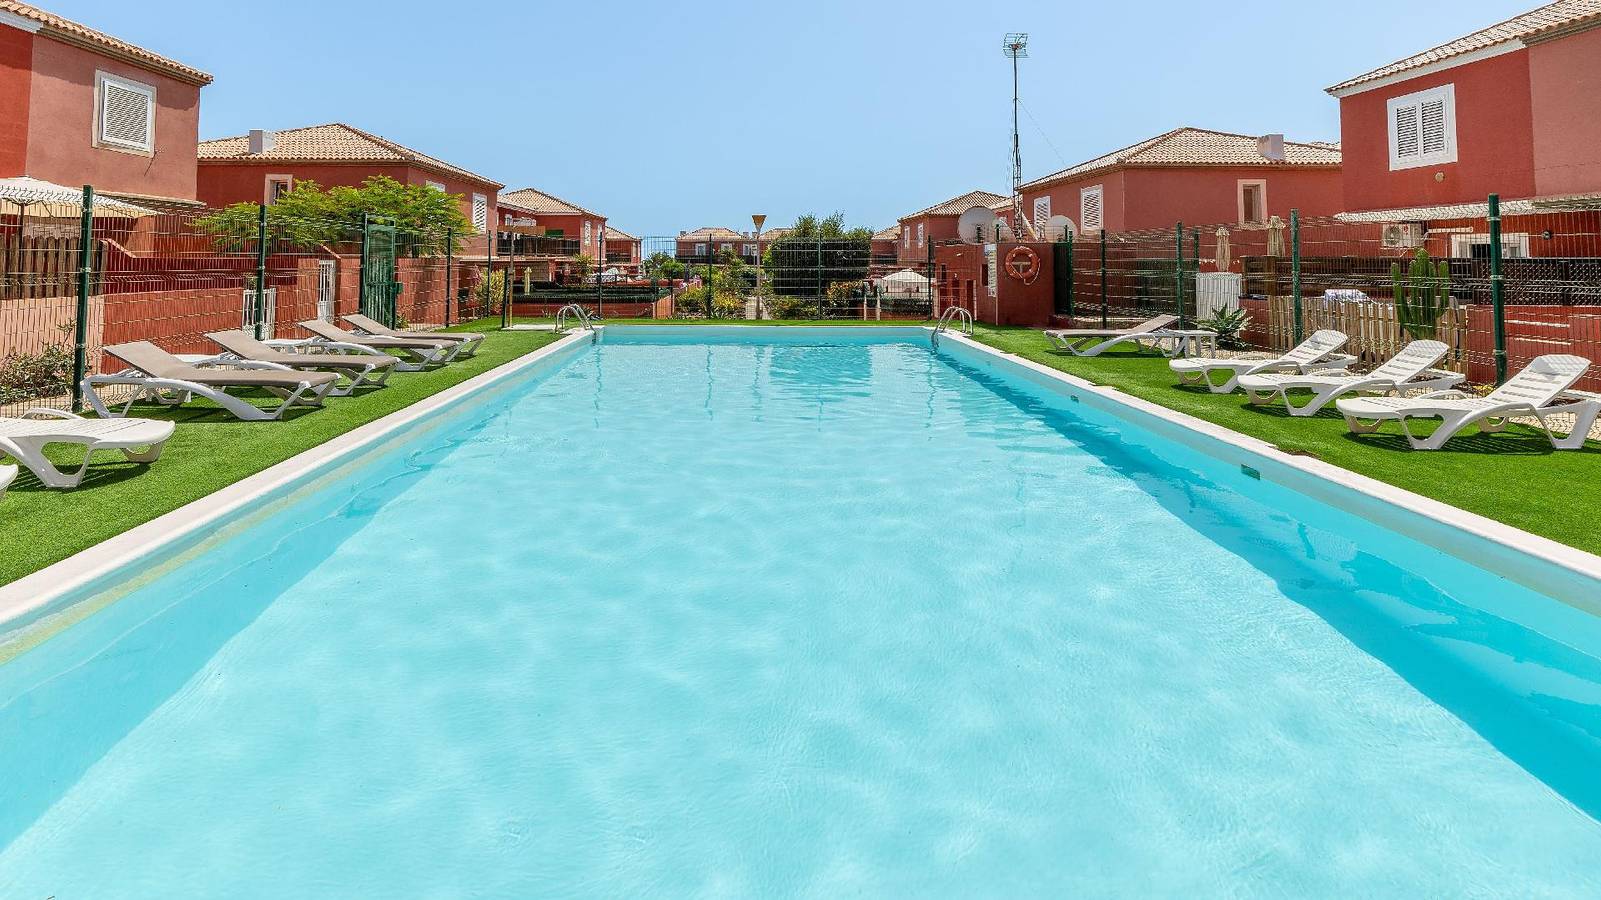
[529, 245]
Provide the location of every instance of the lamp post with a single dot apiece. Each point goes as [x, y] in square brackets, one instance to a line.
[758, 220]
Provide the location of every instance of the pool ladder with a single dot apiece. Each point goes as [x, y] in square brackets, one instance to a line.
[585, 321]
[953, 312]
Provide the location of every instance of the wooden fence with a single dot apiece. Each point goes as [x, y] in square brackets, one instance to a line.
[38, 266]
[1375, 333]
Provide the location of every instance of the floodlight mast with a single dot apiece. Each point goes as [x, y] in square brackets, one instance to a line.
[1015, 46]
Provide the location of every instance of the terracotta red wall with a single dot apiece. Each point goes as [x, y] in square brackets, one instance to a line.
[1065, 199]
[1494, 132]
[16, 72]
[936, 229]
[60, 144]
[1565, 84]
[1019, 303]
[1157, 198]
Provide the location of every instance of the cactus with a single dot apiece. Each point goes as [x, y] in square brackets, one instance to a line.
[1423, 296]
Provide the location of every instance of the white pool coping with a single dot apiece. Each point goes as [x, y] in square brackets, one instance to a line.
[1546, 566]
[23, 598]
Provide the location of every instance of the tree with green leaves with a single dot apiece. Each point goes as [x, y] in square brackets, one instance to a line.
[308, 215]
[663, 266]
[817, 253]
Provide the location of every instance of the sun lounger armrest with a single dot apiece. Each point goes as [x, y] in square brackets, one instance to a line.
[1337, 361]
[45, 412]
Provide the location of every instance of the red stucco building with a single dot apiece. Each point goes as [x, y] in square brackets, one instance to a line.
[1510, 109]
[256, 167]
[1194, 176]
[575, 229]
[937, 223]
[81, 107]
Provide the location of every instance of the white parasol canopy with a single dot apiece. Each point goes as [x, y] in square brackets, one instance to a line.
[26, 196]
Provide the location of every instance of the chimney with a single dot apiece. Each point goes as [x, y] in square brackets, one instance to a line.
[1271, 147]
[261, 141]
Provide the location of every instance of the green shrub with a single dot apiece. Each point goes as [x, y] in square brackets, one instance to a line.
[34, 376]
[1229, 324]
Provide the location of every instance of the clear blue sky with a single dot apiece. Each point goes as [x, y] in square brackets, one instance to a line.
[667, 116]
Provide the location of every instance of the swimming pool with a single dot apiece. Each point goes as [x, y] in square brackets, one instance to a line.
[802, 612]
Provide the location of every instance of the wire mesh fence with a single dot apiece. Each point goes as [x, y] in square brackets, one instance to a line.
[1382, 283]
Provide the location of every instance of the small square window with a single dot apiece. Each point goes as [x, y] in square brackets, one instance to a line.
[277, 186]
[1422, 128]
[125, 113]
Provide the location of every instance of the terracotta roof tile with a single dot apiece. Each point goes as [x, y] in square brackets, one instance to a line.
[1553, 17]
[957, 205]
[617, 234]
[541, 202]
[711, 232]
[335, 142]
[71, 32]
[1197, 147]
[892, 233]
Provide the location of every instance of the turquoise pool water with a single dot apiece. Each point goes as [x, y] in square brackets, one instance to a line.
[818, 616]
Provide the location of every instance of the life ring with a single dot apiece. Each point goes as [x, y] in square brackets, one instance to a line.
[1023, 263]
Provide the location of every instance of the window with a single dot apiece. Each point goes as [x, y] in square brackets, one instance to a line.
[125, 114]
[1042, 213]
[919, 234]
[277, 186]
[1090, 206]
[1253, 202]
[436, 185]
[700, 249]
[1423, 128]
[750, 250]
[906, 238]
[723, 247]
[1477, 246]
[589, 233]
[480, 212]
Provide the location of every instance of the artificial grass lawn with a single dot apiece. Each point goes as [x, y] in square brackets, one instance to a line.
[209, 451]
[1513, 476]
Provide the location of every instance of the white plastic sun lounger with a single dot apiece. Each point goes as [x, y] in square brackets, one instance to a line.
[1314, 353]
[8, 474]
[1407, 370]
[157, 375]
[422, 352]
[360, 365]
[1095, 341]
[1533, 392]
[466, 342]
[24, 439]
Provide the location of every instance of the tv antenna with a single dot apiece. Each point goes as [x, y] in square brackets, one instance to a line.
[1015, 46]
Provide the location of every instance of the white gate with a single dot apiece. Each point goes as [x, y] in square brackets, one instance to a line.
[1216, 291]
[269, 311]
[326, 287]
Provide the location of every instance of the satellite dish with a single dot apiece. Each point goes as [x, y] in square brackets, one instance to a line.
[977, 225]
[1059, 228]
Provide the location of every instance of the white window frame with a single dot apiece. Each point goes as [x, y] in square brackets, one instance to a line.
[1098, 191]
[700, 250]
[288, 181]
[919, 234]
[1446, 94]
[98, 136]
[1042, 213]
[724, 246]
[480, 212]
[748, 250]
[906, 239]
[436, 185]
[1513, 246]
[1239, 199]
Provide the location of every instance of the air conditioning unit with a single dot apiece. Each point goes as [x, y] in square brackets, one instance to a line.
[1403, 236]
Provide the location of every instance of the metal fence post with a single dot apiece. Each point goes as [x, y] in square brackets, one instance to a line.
[450, 252]
[80, 324]
[1497, 288]
[361, 280]
[1072, 276]
[259, 310]
[929, 254]
[819, 278]
[1178, 271]
[1103, 276]
[1295, 269]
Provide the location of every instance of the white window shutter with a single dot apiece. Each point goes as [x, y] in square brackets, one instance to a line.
[1089, 213]
[127, 113]
[1431, 127]
[1406, 132]
[480, 212]
[1042, 213]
